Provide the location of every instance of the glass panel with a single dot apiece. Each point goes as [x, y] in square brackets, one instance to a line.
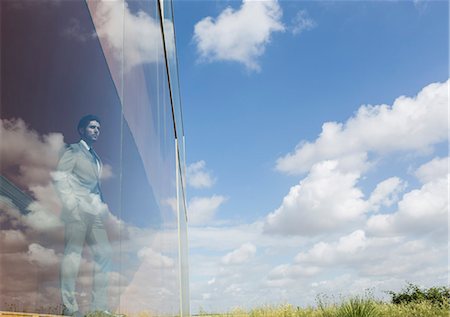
[151, 280]
[183, 245]
[55, 221]
[107, 222]
[170, 41]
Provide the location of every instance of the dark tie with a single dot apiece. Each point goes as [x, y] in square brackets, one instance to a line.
[91, 150]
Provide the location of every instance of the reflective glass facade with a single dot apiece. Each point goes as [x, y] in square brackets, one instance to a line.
[99, 225]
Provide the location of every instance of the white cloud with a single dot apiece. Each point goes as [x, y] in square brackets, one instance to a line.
[239, 35]
[424, 203]
[241, 255]
[328, 198]
[332, 253]
[302, 22]
[436, 168]
[325, 200]
[353, 262]
[122, 32]
[421, 210]
[284, 275]
[386, 193]
[209, 274]
[373, 260]
[198, 176]
[201, 210]
[410, 124]
[210, 238]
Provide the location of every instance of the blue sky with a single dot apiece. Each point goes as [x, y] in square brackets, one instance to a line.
[258, 82]
[317, 146]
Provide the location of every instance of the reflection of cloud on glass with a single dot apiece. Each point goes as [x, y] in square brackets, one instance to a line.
[31, 5]
[130, 37]
[133, 37]
[152, 285]
[143, 270]
[9, 213]
[155, 259]
[34, 156]
[27, 157]
[172, 203]
[31, 248]
[32, 239]
[29, 255]
[147, 277]
[42, 256]
[46, 197]
[74, 30]
[31, 243]
[107, 172]
[41, 219]
[169, 35]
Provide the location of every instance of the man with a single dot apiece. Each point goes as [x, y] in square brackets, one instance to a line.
[77, 182]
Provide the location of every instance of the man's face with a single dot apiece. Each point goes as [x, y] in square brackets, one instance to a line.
[91, 132]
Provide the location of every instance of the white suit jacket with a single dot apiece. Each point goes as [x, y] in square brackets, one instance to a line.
[77, 181]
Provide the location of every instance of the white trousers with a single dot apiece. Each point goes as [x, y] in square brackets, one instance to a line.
[89, 230]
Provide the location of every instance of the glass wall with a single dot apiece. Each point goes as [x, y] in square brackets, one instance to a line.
[92, 212]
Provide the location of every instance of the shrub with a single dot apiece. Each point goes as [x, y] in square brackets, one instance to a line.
[439, 296]
[413, 309]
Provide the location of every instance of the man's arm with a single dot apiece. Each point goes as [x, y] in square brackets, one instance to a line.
[64, 179]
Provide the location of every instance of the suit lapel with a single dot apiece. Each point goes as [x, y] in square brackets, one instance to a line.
[100, 164]
[91, 159]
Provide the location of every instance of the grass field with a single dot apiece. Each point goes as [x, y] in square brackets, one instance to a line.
[412, 301]
[356, 307]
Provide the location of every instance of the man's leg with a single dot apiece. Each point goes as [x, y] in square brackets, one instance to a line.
[75, 234]
[101, 250]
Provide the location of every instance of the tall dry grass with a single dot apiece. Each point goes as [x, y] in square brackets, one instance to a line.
[354, 307]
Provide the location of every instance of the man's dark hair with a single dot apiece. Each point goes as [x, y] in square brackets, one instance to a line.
[83, 123]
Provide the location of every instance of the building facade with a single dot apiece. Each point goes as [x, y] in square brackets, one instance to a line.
[116, 59]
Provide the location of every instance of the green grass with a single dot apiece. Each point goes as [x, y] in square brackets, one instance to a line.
[354, 307]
